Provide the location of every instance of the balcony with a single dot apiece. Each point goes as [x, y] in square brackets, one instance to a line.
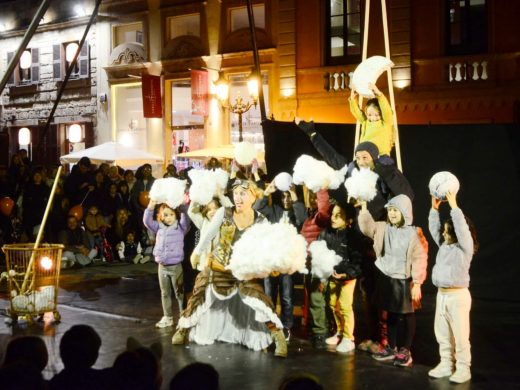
[468, 71]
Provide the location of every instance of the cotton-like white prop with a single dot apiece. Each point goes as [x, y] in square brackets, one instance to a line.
[323, 259]
[268, 247]
[361, 185]
[442, 182]
[205, 183]
[35, 302]
[317, 174]
[368, 72]
[169, 190]
[245, 153]
[283, 181]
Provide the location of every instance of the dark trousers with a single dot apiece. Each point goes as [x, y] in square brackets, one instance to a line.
[283, 284]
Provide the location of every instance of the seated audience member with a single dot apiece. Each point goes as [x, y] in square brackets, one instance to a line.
[78, 250]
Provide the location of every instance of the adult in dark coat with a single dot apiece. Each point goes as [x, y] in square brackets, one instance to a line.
[391, 181]
[79, 181]
[35, 197]
[290, 210]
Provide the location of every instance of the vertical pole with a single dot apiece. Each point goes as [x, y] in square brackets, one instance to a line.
[67, 75]
[363, 58]
[240, 138]
[391, 87]
[257, 60]
[26, 38]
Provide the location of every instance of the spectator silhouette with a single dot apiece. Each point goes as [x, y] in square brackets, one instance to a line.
[138, 368]
[79, 349]
[196, 376]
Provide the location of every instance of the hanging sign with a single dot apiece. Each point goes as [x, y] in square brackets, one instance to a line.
[152, 104]
[199, 92]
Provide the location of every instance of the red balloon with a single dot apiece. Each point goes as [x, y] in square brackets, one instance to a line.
[144, 198]
[6, 206]
[76, 211]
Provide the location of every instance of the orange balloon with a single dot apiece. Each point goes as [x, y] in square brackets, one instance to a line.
[144, 198]
[76, 211]
[6, 206]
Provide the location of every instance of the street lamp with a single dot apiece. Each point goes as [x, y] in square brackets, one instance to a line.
[239, 106]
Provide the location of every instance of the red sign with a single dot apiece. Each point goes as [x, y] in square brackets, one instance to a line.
[199, 92]
[152, 103]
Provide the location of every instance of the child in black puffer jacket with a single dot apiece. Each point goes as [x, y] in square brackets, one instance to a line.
[349, 244]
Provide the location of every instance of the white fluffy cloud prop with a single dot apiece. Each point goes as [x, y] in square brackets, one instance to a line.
[245, 153]
[268, 247]
[323, 259]
[317, 174]
[169, 191]
[361, 185]
[283, 181]
[442, 182]
[204, 184]
[368, 72]
[36, 301]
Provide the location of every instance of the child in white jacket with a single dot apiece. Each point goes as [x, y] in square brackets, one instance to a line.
[456, 239]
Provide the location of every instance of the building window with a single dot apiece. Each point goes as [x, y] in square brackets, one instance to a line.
[27, 71]
[125, 33]
[129, 124]
[179, 26]
[62, 56]
[251, 120]
[343, 32]
[467, 31]
[239, 18]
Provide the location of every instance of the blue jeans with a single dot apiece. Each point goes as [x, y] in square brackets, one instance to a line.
[272, 286]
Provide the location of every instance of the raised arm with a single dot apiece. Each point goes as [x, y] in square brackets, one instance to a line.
[211, 232]
[434, 222]
[366, 223]
[323, 215]
[354, 107]
[195, 215]
[460, 225]
[148, 220]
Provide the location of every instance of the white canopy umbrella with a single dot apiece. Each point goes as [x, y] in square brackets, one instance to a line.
[113, 152]
[221, 151]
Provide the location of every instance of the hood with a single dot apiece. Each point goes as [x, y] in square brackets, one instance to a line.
[404, 205]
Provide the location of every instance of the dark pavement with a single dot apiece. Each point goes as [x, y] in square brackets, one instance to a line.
[124, 300]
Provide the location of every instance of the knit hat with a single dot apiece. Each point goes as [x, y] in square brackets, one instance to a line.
[369, 147]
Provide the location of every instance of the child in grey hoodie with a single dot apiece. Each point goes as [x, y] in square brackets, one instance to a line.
[457, 243]
[402, 254]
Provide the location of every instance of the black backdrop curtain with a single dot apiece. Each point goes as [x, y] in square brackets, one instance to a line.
[483, 157]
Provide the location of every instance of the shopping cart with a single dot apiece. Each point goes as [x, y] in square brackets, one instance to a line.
[33, 279]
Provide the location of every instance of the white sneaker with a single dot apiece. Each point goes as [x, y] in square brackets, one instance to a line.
[461, 375]
[441, 370]
[137, 258]
[346, 345]
[145, 259]
[164, 322]
[333, 340]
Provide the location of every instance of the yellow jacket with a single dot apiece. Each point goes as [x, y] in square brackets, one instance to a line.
[380, 132]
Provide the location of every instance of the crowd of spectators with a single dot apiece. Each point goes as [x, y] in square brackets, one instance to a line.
[96, 213]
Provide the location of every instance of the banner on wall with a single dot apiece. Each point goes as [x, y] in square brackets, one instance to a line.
[199, 92]
[152, 103]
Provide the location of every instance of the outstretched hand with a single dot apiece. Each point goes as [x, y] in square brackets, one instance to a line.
[307, 127]
[254, 166]
[234, 166]
[452, 199]
[270, 189]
